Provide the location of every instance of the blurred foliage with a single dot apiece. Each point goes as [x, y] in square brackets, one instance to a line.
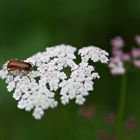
[28, 26]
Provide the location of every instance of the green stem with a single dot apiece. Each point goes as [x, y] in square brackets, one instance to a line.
[121, 107]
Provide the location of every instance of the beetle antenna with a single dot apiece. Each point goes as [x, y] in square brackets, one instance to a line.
[32, 64]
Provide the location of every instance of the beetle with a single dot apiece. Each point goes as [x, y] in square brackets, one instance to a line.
[19, 65]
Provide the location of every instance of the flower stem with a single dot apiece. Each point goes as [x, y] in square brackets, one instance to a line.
[121, 105]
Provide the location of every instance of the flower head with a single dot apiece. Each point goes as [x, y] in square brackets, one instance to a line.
[130, 124]
[119, 58]
[137, 39]
[117, 42]
[36, 90]
[110, 118]
[136, 57]
[116, 65]
[86, 112]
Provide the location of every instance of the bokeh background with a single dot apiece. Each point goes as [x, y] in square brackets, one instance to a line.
[29, 26]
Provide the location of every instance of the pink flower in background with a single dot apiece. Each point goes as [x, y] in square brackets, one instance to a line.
[118, 58]
[135, 52]
[137, 39]
[136, 57]
[136, 63]
[86, 112]
[117, 42]
[117, 52]
[110, 118]
[126, 57]
[116, 66]
[130, 124]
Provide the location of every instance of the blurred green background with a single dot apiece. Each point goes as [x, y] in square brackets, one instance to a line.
[28, 26]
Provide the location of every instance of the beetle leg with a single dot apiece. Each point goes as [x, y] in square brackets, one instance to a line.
[25, 75]
[10, 73]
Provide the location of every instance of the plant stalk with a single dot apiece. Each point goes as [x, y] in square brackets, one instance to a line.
[121, 106]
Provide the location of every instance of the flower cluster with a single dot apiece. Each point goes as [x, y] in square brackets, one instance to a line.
[120, 58]
[136, 57]
[37, 89]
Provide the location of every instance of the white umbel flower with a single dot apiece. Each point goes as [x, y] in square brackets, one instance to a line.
[36, 91]
[93, 53]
